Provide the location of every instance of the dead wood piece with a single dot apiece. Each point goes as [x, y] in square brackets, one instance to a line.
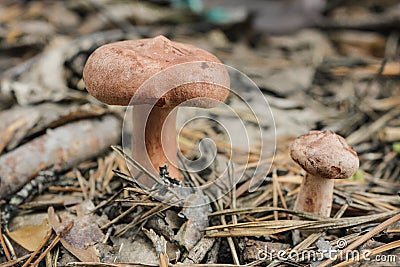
[159, 225]
[212, 255]
[253, 248]
[160, 244]
[197, 254]
[66, 114]
[14, 124]
[62, 148]
[22, 122]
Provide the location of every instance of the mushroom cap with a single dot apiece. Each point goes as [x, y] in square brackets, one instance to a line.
[324, 154]
[155, 70]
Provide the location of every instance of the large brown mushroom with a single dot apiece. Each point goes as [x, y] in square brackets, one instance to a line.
[325, 156]
[155, 75]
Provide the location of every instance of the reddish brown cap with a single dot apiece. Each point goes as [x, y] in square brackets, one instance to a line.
[325, 154]
[114, 72]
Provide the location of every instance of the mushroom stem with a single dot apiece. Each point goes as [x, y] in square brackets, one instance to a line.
[315, 195]
[154, 137]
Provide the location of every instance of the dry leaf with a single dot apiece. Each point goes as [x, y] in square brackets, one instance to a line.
[30, 237]
[80, 239]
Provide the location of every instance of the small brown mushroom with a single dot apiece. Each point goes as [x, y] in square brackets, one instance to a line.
[128, 72]
[325, 156]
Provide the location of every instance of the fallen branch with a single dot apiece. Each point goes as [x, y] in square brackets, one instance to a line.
[60, 148]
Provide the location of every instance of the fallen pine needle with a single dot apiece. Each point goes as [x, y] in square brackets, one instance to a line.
[362, 239]
[372, 252]
[14, 262]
